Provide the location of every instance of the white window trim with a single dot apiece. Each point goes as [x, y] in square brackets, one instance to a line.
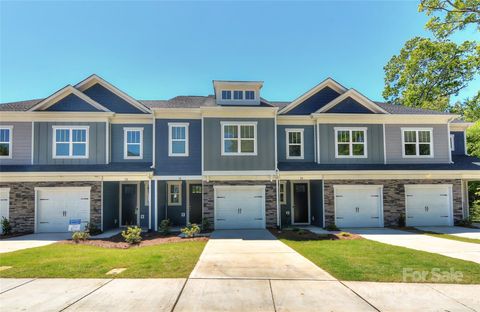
[170, 140]
[125, 150]
[10, 142]
[287, 143]
[417, 149]
[365, 145]
[284, 201]
[452, 142]
[169, 202]
[70, 150]
[243, 95]
[238, 124]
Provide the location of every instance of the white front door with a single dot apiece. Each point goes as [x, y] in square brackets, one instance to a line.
[4, 204]
[428, 205]
[239, 207]
[57, 206]
[358, 206]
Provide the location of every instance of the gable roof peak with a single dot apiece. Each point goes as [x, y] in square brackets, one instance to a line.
[358, 97]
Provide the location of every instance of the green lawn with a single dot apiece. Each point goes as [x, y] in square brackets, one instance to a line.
[75, 261]
[366, 260]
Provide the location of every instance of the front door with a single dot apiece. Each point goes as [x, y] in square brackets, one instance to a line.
[300, 203]
[195, 203]
[129, 204]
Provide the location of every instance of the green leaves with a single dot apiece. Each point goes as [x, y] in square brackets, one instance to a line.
[426, 72]
[450, 16]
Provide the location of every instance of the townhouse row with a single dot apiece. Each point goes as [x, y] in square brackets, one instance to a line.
[91, 152]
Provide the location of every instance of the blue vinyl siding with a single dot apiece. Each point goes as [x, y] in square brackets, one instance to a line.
[173, 213]
[110, 205]
[308, 145]
[315, 102]
[349, 106]
[43, 140]
[459, 141]
[178, 165]
[110, 100]
[117, 142]
[72, 103]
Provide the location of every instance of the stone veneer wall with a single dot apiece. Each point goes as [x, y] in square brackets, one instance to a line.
[22, 202]
[393, 197]
[270, 199]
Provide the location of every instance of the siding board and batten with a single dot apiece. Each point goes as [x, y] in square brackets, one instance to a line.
[117, 142]
[308, 144]
[21, 144]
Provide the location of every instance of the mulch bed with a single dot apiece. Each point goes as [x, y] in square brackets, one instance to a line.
[304, 235]
[148, 239]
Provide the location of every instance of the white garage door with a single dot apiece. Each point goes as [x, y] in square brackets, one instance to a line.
[240, 207]
[4, 204]
[358, 206]
[58, 205]
[428, 205]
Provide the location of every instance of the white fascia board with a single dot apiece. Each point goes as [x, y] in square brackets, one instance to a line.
[329, 82]
[402, 119]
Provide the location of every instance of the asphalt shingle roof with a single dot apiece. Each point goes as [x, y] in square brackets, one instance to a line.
[19, 106]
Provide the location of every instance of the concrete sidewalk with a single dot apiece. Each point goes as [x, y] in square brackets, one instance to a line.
[453, 230]
[442, 246]
[231, 295]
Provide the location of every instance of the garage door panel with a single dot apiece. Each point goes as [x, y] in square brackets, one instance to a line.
[57, 206]
[358, 206]
[428, 205]
[237, 208]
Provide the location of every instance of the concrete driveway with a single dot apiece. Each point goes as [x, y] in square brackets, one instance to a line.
[453, 230]
[254, 254]
[31, 241]
[446, 247]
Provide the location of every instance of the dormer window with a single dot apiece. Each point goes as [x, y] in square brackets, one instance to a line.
[249, 95]
[226, 95]
[238, 95]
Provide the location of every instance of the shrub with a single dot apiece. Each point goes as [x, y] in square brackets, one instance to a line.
[191, 230]
[132, 235]
[6, 226]
[80, 236]
[401, 220]
[205, 224]
[345, 234]
[92, 229]
[164, 227]
[332, 227]
[465, 222]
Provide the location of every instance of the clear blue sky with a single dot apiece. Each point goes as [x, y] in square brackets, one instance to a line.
[157, 50]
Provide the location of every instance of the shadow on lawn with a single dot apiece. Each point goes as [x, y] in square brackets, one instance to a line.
[305, 235]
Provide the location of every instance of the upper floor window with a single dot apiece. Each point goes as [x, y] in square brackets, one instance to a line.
[239, 138]
[174, 193]
[226, 95]
[350, 142]
[133, 143]
[178, 139]
[238, 95]
[417, 142]
[294, 139]
[452, 142]
[6, 141]
[70, 142]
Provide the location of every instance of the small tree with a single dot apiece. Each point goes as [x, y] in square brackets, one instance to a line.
[164, 227]
[6, 226]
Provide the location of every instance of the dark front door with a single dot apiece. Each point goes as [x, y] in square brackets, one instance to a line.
[129, 204]
[195, 201]
[300, 202]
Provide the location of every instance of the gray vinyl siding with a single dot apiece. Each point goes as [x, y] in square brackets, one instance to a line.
[43, 140]
[308, 145]
[264, 160]
[374, 144]
[21, 143]
[117, 142]
[441, 140]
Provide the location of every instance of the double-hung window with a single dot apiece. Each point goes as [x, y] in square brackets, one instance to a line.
[177, 139]
[350, 142]
[174, 193]
[417, 142]
[70, 142]
[295, 145]
[133, 143]
[6, 141]
[239, 138]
